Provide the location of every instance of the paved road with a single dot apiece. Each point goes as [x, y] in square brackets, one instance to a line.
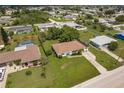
[92, 59]
[111, 79]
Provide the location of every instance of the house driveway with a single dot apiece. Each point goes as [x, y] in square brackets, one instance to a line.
[92, 59]
[112, 54]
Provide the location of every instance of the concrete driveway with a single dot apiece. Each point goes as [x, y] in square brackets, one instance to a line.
[112, 54]
[92, 59]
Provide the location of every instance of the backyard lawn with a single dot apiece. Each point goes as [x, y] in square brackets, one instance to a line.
[65, 72]
[104, 59]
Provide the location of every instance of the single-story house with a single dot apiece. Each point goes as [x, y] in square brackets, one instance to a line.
[70, 24]
[5, 20]
[68, 48]
[26, 54]
[69, 17]
[101, 41]
[20, 29]
[45, 26]
[120, 35]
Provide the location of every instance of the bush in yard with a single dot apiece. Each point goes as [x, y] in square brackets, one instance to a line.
[17, 62]
[112, 46]
[28, 72]
[35, 63]
[10, 64]
[48, 52]
[44, 61]
[43, 75]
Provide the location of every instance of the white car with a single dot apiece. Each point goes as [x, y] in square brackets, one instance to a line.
[2, 73]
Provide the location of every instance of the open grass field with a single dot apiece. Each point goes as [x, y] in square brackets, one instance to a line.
[63, 72]
[104, 59]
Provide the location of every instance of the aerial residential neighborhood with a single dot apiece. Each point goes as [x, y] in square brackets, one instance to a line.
[61, 46]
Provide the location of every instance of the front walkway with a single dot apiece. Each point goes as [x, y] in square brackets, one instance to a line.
[92, 59]
[112, 54]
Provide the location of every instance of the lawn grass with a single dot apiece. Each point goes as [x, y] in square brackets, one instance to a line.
[47, 44]
[65, 72]
[120, 50]
[61, 19]
[104, 59]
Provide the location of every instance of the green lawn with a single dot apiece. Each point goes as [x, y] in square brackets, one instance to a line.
[104, 59]
[47, 44]
[62, 19]
[120, 50]
[63, 72]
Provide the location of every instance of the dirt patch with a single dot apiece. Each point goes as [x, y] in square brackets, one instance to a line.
[65, 65]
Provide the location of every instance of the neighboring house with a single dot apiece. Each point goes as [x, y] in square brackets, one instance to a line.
[26, 54]
[5, 20]
[20, 29]
[70, 24]
[106, 22]
[101, 41]
[120, 35]
[68, 48]
[45, 26]
[70, 17]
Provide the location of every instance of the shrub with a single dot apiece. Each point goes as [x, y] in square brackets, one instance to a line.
[112, 46]
[48, 52]
[44, 61]
[43, 75]
[35, 63]
[10, 64]
[17, 62]
[28, 72]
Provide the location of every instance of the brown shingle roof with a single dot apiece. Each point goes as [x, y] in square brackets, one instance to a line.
[67, 46]
[31, 53]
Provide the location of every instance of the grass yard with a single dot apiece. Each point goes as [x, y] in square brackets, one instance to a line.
[47, 44]
[61, 19]
[104, 59]
[65, 72]
[120, 50]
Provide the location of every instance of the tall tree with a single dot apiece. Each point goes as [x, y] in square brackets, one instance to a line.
[4, 35]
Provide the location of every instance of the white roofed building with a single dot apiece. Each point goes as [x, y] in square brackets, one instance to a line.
[101, 41]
